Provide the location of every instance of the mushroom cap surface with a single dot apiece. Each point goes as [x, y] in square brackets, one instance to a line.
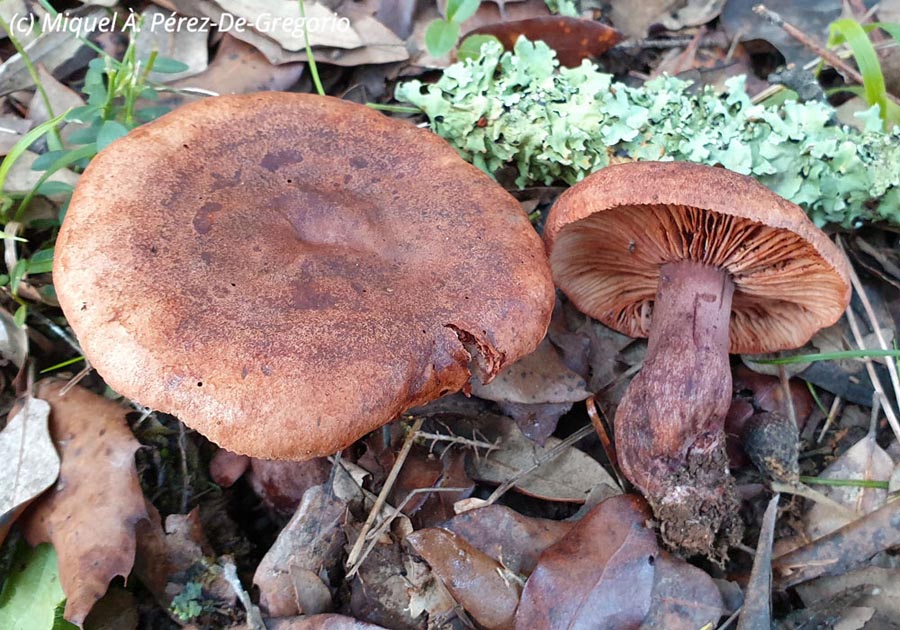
[608, 235]
[287, 272]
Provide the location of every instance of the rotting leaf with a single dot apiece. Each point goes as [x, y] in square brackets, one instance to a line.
[30, 463]
[488, 591]
[570, 476]
[508, 537]
[295, 572]
[600, 575]
[91, 514]
[684, 597]
[573, 39]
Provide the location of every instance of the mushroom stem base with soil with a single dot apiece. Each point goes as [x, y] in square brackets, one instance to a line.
[670, 424]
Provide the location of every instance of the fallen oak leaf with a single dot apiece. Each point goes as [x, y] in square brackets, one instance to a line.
[30, 463]
[600, 575]
[481, 585]
[91, 514]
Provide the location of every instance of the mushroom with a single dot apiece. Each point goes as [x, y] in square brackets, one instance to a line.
[287, 272]
[702, 261]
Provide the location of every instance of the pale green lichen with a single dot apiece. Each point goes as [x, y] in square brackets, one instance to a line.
[560, 124]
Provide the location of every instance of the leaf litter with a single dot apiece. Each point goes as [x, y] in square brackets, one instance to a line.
[481, 522]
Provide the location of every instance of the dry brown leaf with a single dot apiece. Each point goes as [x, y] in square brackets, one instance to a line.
[481, 585]
[540, 377]
[12, 128]
[57, 50]
[508, 537]
[361, 40]
[684, 597]
[30, 463]
[865, 460]
[635, 18]
[237, 68]
[61, 97]
[90, 515]
[294, 573]
[841, 550]
[568, 477]
[600, 575]
[881, 590]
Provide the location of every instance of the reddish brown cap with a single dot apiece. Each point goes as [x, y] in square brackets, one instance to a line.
[287, 272]
[609, 235]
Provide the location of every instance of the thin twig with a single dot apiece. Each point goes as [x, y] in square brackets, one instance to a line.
[229, 572]
[832, 414]
[375, 534]
[594, 412]
[550, 455]
[353, 557]
[873, 376]
[455, 439]
[890, 363]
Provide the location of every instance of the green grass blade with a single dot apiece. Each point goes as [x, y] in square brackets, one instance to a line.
[852, 32]
[827, 356]
[22, 145]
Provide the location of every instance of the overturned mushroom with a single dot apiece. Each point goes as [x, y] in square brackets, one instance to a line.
[287, 272]
[702, 261]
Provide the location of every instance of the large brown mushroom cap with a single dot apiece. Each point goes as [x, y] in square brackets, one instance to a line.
[609, 236]
[287, 272]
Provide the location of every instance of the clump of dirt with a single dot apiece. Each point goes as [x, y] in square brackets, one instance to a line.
[698, 508]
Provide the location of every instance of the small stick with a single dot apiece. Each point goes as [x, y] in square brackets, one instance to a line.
[375, 534]
[832, 414]
[593, 412]
[229, 572]
[357, 548]
[550, 455]
[889, 362]
[873, 376]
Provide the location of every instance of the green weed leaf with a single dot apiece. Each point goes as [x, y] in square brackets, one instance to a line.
[440, 37]
[461, 10]
[109, 132]
[165, 65]
[850, 31]
[32, 592]
[470, 47]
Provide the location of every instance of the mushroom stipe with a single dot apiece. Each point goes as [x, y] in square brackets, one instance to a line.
[702, 261]
[287, 272]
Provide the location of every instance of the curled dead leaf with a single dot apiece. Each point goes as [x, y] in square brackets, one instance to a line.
[91, 514]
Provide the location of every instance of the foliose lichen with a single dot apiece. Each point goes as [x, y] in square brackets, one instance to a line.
[557, 124]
